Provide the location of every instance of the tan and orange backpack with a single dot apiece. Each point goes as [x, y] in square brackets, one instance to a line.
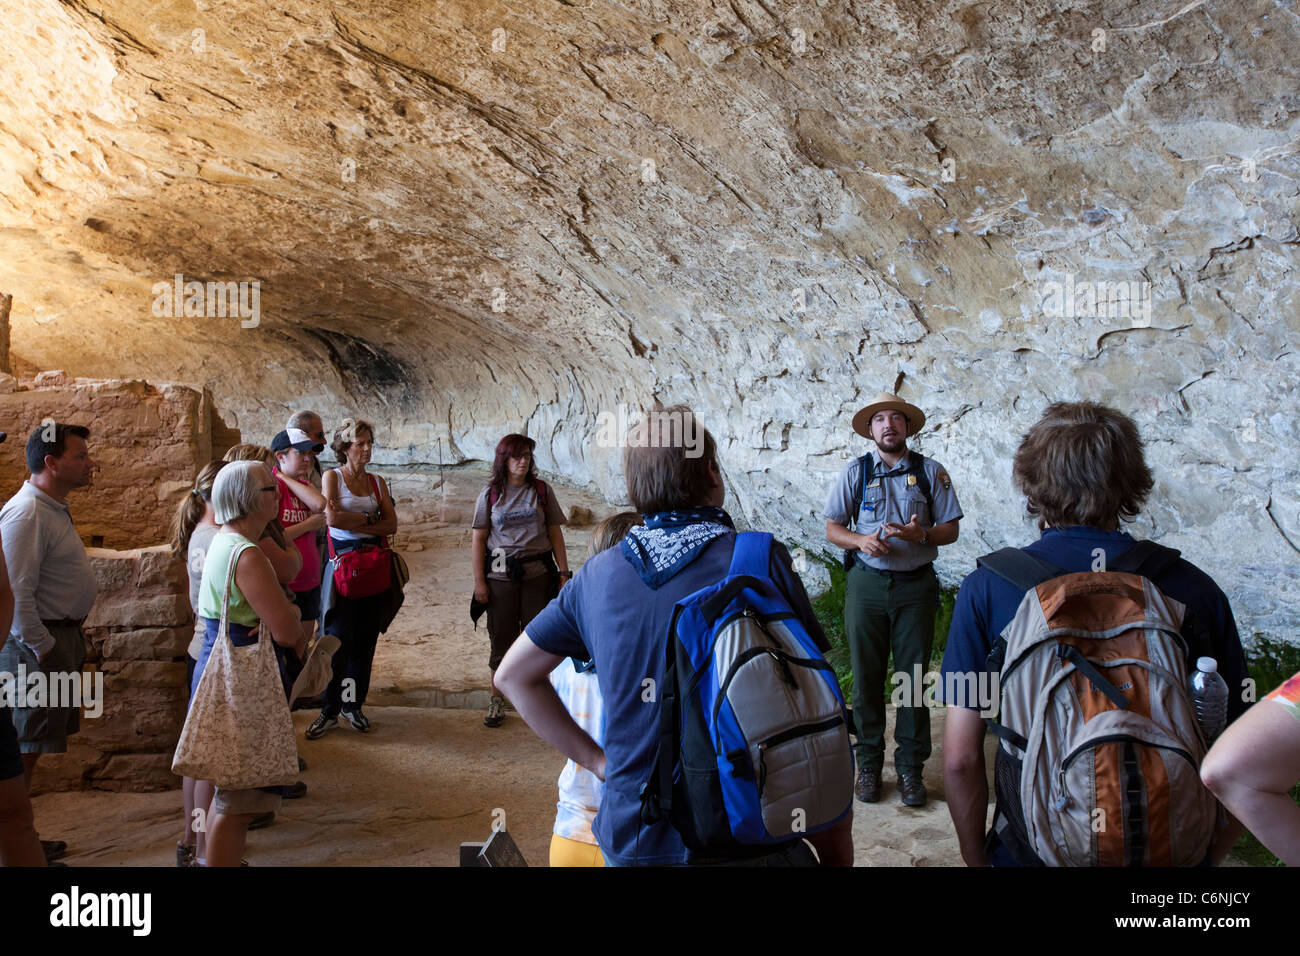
[1099, 753]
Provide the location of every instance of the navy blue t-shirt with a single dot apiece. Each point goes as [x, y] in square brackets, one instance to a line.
[986, 604]
[609, 614]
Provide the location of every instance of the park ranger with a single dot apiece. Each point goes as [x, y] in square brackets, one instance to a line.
[902, 508]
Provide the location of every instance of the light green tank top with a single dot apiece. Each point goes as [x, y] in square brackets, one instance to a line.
[225, 547]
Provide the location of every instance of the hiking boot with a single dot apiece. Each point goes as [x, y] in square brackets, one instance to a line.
[262, 820]
[496, 712]
[320, 725]
[867, 789]
[357, 720]
[295, 792]
[912, 789]
[54, 850]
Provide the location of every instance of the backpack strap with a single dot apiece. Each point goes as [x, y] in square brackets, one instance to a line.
[865, 474]
[1145, 558]
[866, 469]
[917, 468]
[922, 479]
[657, 792]
[752, 555]
[1098, 680]
[750, 566]
[1150, 560]
[1022, 571]
[538, 485]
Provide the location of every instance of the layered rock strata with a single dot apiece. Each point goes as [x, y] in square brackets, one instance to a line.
[462, 218]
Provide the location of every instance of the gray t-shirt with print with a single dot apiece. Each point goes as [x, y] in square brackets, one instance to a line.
[893, 496]
[518, 526]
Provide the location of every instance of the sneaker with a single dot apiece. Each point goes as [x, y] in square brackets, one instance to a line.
[320, 725]
[357, 720]
[184, 855]
[54, 850]
[912, 789]
[496, 712]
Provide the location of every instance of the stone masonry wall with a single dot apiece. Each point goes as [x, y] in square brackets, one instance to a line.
[138, 631]
[149, 442]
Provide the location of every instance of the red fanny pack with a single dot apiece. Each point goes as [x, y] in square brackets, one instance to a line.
[364, 571]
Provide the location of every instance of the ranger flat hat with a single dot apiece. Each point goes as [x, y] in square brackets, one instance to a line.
[882, 402]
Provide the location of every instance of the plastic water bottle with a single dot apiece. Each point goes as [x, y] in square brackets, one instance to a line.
[1210, 696]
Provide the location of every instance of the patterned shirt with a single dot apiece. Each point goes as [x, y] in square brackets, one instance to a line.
[1288, 695]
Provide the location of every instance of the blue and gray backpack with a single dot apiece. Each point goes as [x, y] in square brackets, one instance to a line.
[753, 738]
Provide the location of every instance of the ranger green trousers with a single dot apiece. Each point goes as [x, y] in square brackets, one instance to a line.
[883, 613]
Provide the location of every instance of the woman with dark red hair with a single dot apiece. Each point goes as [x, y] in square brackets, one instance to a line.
[518, 551]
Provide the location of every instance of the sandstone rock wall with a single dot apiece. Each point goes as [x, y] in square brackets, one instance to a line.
[138, 631]
[469, 217]
[149, 442]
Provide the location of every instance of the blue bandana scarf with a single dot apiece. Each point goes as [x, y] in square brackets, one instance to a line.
[671, 540]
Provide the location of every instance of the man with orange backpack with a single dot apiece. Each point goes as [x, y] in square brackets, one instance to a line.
[1077, 652]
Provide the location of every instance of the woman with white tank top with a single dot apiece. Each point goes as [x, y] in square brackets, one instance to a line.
[358, 510]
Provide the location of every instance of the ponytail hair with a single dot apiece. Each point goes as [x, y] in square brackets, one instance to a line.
[190, 510]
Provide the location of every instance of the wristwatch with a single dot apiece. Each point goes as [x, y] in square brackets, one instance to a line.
[925, 535]
[566, 574]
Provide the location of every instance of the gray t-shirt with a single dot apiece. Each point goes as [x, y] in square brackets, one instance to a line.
[518, 526]
[893, 496]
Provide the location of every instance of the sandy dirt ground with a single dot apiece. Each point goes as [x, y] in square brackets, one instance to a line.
[430, 775]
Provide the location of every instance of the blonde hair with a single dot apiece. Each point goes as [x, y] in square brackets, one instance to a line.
[611, 531]
[248, 452]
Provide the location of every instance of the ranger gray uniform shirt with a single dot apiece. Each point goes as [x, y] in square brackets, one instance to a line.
[49, 570]
[893, 496]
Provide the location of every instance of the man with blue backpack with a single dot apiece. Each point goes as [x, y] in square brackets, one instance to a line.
[903, 509]
[725, 734]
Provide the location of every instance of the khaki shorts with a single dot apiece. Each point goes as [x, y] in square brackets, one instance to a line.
[45, 730]
[235, 802]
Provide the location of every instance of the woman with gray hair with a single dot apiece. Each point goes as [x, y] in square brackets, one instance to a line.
[244, 498]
